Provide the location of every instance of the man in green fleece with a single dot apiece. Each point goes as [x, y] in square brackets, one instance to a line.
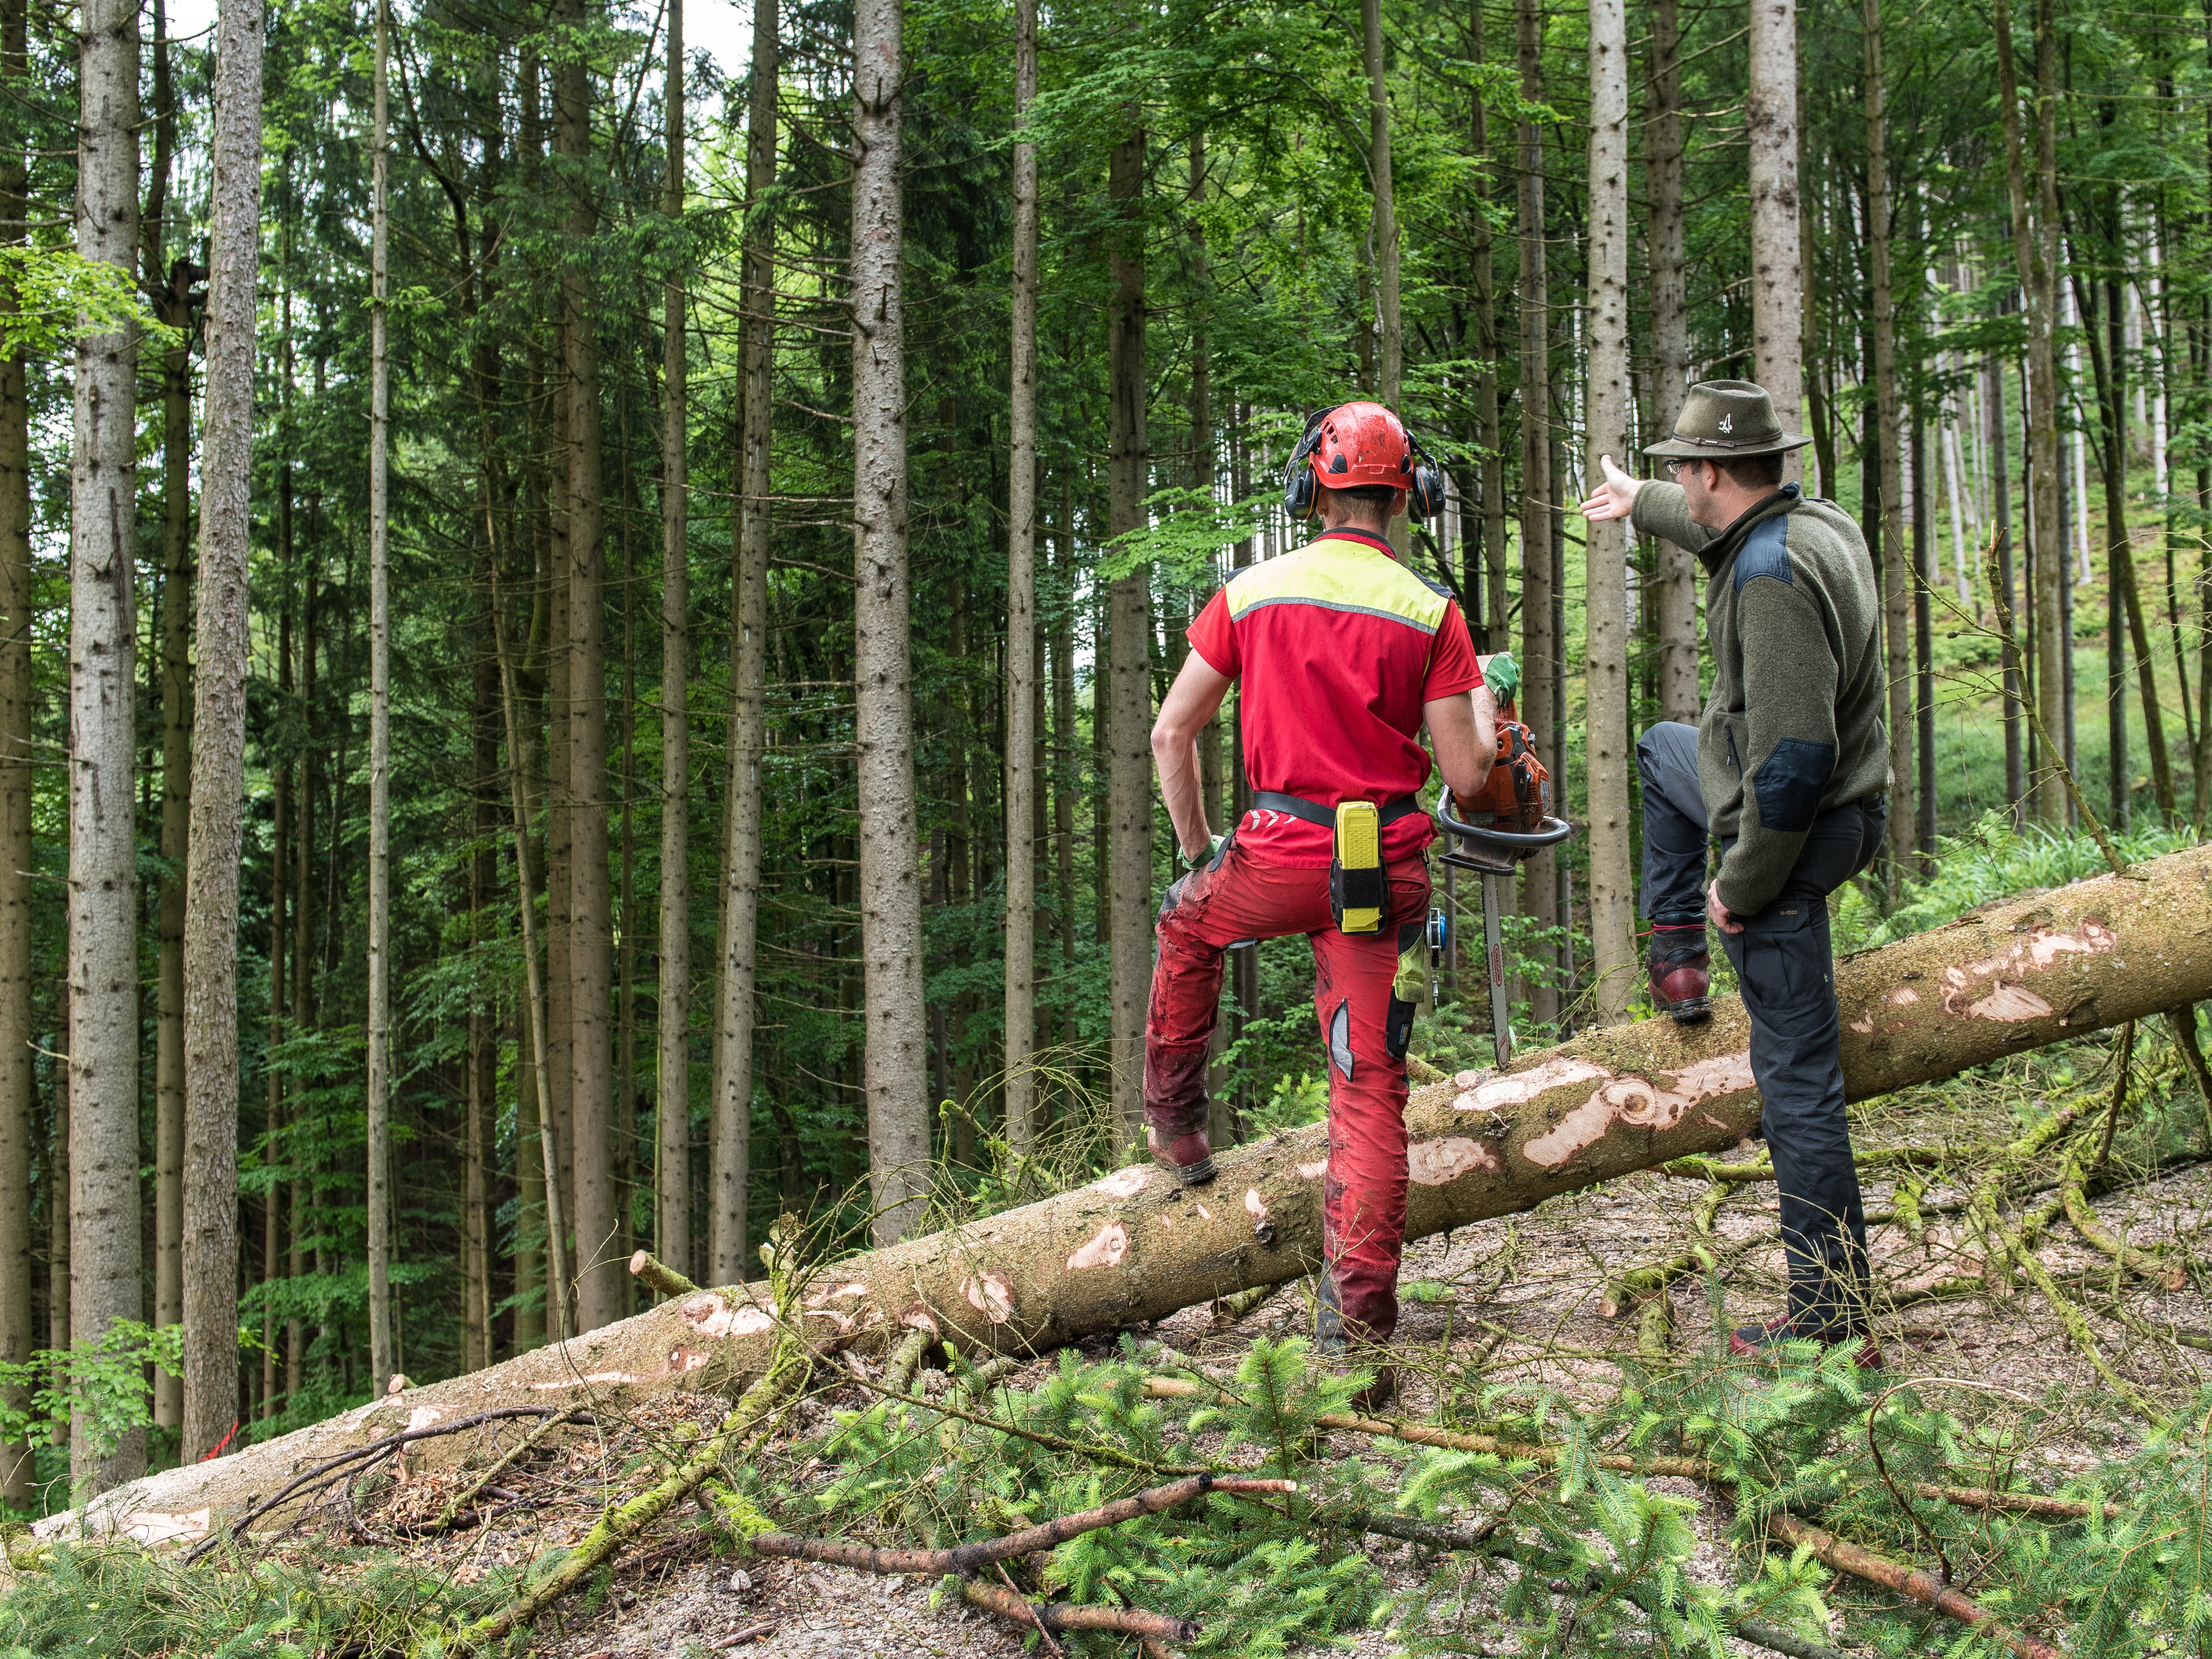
[1788, 771]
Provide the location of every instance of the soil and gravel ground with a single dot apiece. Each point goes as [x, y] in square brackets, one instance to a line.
[1516, 1299]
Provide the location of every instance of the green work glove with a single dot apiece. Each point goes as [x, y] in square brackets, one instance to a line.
[1502, 676]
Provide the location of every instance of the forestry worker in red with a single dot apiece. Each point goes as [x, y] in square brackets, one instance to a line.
[1344, 655]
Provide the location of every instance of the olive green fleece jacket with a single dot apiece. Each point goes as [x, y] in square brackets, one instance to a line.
[1794, 725]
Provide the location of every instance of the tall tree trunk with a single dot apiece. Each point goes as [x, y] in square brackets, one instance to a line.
[2035, 251]
[671, 1095]
[601, 1296]
[890, 880]
[174, 307]
[223, 650]
[280, 874]
[1129, 702]
[1674, 599]
[1777, 295]
[483, 1054]
[2001, 496]
[736, 978]
[1490, 430]
[380, 732]
[1383, 224]
[1539, 643]
[1612, 887]
[1021, 616]
[18, 711]
[58, 1282]
[1896, 578]
[103, 878]
[303, 961]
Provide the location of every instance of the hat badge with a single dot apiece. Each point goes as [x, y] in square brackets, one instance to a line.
[1727, 423]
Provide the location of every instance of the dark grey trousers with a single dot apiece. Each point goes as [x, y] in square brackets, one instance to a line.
[1785, 969]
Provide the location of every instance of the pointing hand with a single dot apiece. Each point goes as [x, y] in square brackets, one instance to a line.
[1615, 496]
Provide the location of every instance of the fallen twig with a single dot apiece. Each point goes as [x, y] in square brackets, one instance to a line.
[2145, 1264]
[965, 1558]
[1056, 1616]
[618, 1525]
[2034, 1504]
[1908, 1582]
[468, 1495]
[344, 1463]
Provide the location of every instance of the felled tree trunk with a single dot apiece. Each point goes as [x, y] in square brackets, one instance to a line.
[1135, 1246]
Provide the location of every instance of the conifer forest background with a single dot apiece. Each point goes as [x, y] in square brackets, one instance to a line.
[579, 622]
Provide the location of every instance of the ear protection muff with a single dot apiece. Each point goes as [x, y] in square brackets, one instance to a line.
[1298, 486]
[1425, 493]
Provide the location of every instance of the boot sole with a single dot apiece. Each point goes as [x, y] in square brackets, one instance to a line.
[1690, 1011]
[1192, 1174]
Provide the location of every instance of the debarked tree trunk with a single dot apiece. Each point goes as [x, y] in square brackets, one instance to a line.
[1135, 1246]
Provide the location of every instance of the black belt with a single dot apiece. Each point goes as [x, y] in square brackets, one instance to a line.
[1297, 806]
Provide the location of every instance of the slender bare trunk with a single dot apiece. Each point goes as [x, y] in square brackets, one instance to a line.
[303, 961]
[1896, 574]
[1129, 689]
[379, 732]
[17, 714]
[1676, 597]
[482, 1055]
[889, 878]
[103, 878]
[1489, 427]
[223, 650]
[1539, 644]
[601, 1295]
[671, 1098]
[174, 307]
[1613, 887]
[1021, 735]
[58, 1218]
[1778, 294]
[1382, 231]
[730, 1161]
[2035, 237]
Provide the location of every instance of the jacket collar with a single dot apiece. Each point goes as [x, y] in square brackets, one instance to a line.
[1365, 537]
[1717, 551]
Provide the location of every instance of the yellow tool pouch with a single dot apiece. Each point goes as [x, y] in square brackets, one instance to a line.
[1358, 890]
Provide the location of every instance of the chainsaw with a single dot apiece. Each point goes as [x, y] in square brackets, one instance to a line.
[1510, 821]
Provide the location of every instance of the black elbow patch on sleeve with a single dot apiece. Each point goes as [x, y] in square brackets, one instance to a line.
[1790, 781]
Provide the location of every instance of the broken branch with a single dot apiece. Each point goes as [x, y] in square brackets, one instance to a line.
[1908, 1582]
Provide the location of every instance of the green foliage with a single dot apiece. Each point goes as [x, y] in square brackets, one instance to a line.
[1989, 862]
[122, 1602]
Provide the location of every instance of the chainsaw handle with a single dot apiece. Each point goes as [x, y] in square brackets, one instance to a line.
[1555, 831]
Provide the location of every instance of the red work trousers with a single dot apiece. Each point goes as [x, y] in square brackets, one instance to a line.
[1365, 1190]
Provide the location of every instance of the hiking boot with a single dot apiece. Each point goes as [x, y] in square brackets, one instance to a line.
[1189, 1156]
[1681, 973]
[1764, 1342]
[1378, 1393]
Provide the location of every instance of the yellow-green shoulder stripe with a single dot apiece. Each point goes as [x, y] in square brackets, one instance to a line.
[1339, 575]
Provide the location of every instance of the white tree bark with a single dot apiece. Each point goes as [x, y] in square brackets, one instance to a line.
[379, 729]
[671, 1099]
[103, 879]
[1612, 889]
[1777, 288]
[223, 650]
[1021, 617]
[893, 1075]
[735, 978]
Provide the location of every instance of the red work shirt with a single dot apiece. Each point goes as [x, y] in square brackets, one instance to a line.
[1337, 646]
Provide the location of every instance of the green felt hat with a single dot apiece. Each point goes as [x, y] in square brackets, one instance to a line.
[1723, 420]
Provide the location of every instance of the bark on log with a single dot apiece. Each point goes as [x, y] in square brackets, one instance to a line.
[1135, 1246]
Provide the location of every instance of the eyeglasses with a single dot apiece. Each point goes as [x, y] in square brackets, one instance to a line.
[1675, 468]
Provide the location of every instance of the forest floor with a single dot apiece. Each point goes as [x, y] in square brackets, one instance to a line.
[1511, 1304]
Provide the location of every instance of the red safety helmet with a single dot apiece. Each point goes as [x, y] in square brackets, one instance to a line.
[1355, 445]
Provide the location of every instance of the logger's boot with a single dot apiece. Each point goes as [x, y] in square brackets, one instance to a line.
[1188, 1157]
[1681, 971]
[1344, 1354]
[1764, 1342]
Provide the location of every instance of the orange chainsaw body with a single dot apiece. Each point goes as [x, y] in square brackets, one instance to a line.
[1518, 797]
